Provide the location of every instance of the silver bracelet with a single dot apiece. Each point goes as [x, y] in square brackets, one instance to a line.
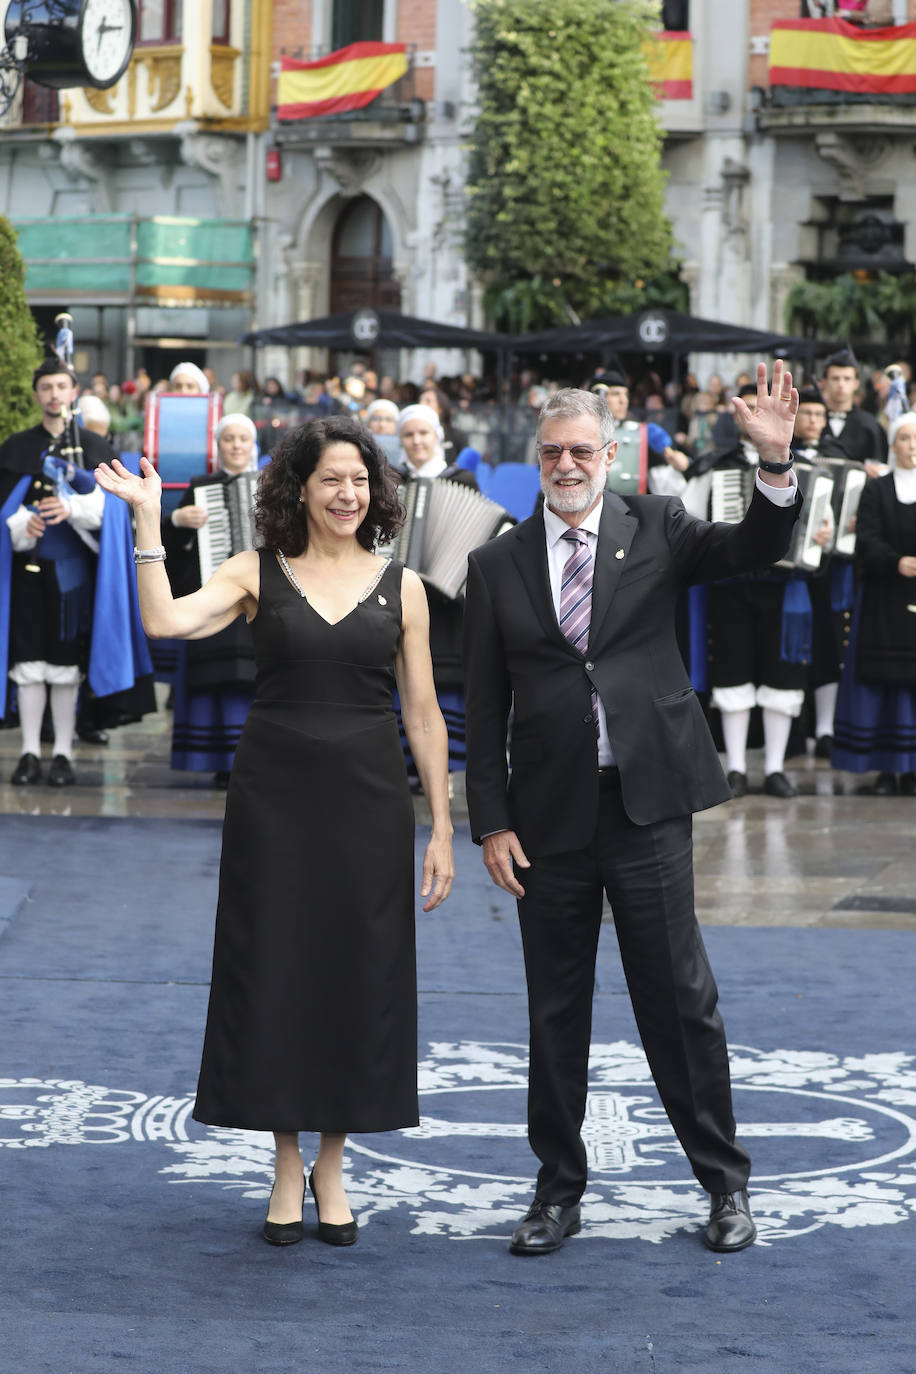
[156, 555]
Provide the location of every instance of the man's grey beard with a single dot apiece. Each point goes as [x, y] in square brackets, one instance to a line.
[568, 502]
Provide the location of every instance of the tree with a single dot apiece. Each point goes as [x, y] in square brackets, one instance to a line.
[20, 347]
[565, 185]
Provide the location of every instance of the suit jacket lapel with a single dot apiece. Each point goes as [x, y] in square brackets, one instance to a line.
[530, 555]
[615, 535]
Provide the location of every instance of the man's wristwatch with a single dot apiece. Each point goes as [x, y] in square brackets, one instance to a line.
[776, 468]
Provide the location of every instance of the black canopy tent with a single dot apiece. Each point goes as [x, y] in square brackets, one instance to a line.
[652, 331]
[660, 331]
[366, 329]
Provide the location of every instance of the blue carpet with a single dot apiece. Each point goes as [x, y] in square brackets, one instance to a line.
[131, 1234]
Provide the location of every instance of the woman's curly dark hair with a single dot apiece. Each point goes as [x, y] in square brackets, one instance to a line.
[279, 515]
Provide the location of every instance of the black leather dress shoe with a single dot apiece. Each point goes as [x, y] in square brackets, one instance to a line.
[544, 1228]
[27, 770]
[884, 785]
[61, 773]
[908, 784]
[822, 746]
[731, 1226]
[778, 785]
[738, 783]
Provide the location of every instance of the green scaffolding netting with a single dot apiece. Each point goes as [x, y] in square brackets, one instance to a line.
[93, 253]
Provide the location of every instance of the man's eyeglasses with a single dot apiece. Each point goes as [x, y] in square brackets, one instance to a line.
[579, 453]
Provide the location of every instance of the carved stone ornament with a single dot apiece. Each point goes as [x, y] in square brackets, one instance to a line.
[99, 100]
[351, 169]
[164, 77]
[855, 157]
[222, 72]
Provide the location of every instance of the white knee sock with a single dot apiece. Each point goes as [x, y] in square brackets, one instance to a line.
[824, 707]
[63, 713]
[776, 729]
[32, 700]
[734, 732]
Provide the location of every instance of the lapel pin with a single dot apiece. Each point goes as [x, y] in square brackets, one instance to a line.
[619, 553]
[382, 601]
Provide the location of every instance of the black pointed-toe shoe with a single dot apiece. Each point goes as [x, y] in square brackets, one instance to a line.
[343, 1234]
[285, 1232]
[61, 773]
[738, 783]
[731, 1226]
[27, 771]
[544, 1228]
[778, 785]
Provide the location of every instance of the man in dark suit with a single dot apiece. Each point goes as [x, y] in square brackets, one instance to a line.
[851, 432]
[570, 626]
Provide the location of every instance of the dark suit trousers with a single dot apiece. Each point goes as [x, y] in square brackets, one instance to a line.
[647, 872]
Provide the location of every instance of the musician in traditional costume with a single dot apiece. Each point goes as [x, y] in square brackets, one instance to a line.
[423, 457]
[215, 679]
[758, 640]
[851, 432]
[643, 449]
[64, 550]
[876, 708]
[831, 587]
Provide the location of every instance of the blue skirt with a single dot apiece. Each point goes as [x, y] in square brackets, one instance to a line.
[874, 727]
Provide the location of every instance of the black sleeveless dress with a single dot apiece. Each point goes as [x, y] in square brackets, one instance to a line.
[312, 1023]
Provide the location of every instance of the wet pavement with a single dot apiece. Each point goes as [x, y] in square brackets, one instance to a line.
[830, 857]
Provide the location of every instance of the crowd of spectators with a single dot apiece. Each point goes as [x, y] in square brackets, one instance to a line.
[468, 406]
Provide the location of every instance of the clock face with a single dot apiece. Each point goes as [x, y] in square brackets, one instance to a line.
[106, 39]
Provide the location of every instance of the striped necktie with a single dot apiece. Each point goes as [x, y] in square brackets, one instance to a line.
[576, 598]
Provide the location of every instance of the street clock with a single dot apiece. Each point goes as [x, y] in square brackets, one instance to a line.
[66, 43]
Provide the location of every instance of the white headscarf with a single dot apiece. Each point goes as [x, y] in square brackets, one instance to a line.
[191, 370]
[427, 415]
[382, 407]
[237, 418]
[904, 478]
[438, 462]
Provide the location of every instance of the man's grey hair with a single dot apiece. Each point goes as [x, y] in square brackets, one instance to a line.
[570, 402]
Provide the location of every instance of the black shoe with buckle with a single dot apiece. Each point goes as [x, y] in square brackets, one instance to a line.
[544, 1228]
[61, 773]
[731, 1226]
[27, 770]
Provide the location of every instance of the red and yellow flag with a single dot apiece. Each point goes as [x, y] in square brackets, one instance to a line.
[344, 80]
[670, 56]
[830, 55]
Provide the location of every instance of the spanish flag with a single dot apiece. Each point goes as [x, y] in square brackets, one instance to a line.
[670, 56]
[345, 80]
[830, 55]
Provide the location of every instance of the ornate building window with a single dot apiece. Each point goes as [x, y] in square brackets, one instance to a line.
[159, 21]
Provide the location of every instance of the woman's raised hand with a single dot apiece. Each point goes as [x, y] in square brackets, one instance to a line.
[136, 491]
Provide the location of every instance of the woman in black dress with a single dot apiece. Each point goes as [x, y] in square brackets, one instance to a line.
[312, 1018]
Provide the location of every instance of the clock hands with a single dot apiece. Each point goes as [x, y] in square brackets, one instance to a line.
[105, 27]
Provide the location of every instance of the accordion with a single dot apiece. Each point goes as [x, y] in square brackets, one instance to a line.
[445, 522]
[732, 489]
[230, 520]
[628, 472]
[849, 483]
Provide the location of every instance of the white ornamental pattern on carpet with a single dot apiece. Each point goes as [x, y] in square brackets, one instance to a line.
[833, 1141]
